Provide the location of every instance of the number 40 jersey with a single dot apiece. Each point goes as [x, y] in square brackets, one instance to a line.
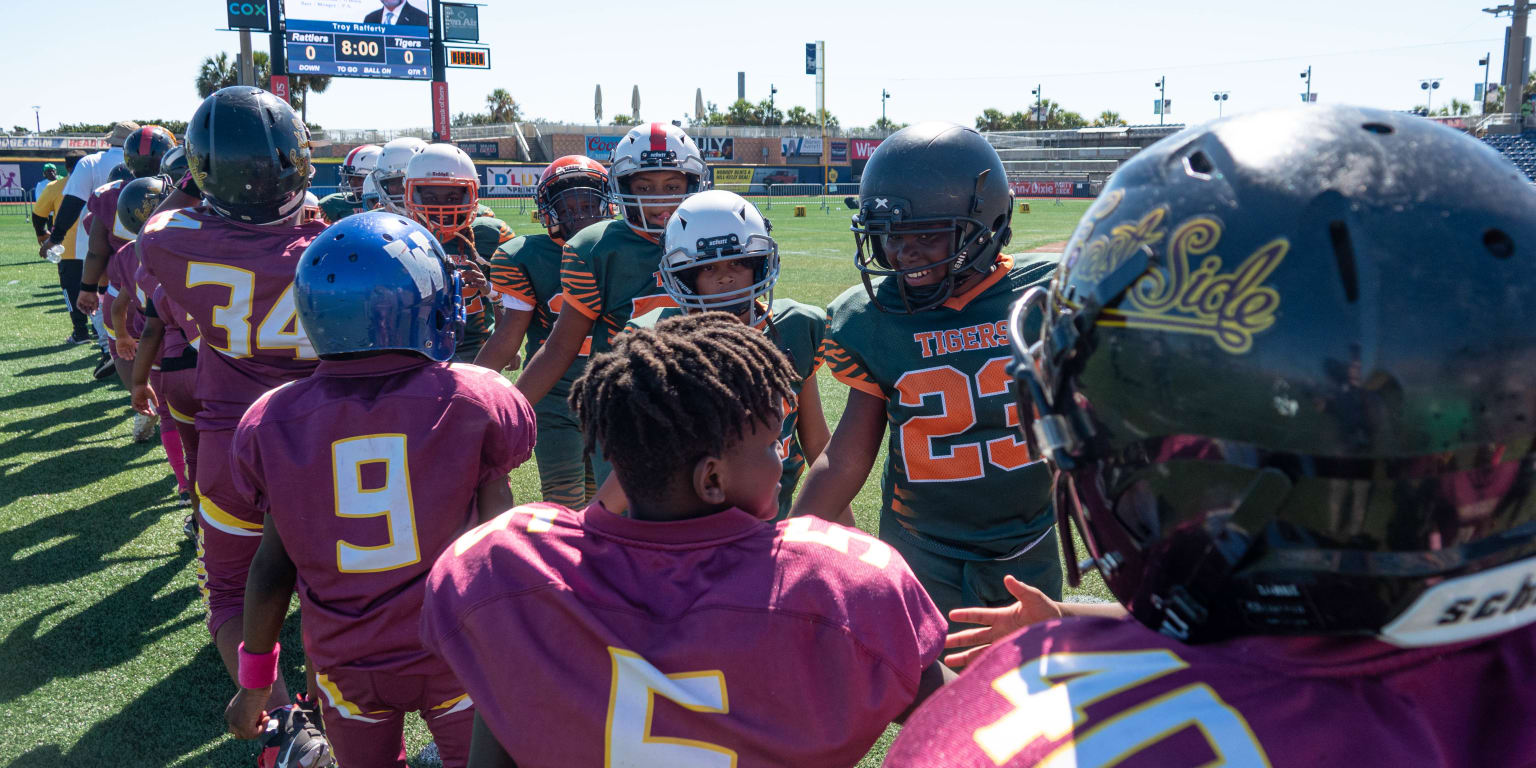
[1093, 693]
[236, 282]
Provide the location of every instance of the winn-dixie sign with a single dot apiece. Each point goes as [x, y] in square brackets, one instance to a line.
[861, 149]
[1049, 188]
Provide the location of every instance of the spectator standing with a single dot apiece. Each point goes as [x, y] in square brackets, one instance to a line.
[46, 207]
[50, 173]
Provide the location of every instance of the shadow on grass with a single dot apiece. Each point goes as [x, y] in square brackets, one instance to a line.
[57, 305]
[86, 535]
[47, 349]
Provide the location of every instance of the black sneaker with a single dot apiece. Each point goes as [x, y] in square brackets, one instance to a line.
[293, 738]
[104, 368]
[77, 338]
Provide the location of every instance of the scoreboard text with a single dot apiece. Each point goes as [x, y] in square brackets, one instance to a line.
[348, 49]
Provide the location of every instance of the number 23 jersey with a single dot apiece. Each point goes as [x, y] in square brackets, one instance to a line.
[1093, 693]
[957, 468]
[236, 282]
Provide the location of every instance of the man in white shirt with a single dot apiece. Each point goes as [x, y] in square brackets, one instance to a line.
[91, 172]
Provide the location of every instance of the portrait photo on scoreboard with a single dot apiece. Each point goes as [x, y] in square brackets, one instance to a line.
[405, 13]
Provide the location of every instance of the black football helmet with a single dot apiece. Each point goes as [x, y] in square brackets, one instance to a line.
[121, 173]
[249, 154]
[935, 179]
[1286, 372]
[173, 165]
[138, 201]
[144, 148]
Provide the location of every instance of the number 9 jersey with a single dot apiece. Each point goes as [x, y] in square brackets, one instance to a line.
[956, 469]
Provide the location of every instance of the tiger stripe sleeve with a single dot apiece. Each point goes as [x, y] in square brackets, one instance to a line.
[847, 368]
[578, 285]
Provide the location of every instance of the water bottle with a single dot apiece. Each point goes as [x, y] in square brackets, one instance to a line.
[56, 253]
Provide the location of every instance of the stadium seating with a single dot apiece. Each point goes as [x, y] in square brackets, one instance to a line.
[1520, 148]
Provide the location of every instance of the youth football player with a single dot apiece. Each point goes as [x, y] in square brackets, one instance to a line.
[688, 633]
[349, 199]
[1252, 332]
[611, 272]
[718, 255]
[229, 264]
[923, 346]
[572, 195]
[442, 191]
[409, 451]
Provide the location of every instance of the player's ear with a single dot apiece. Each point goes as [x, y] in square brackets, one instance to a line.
[709, 480]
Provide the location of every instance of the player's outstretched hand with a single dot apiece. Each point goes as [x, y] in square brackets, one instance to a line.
[997, 623]
[88, 301]
[142, 395]
[475, 280]
[245, 715]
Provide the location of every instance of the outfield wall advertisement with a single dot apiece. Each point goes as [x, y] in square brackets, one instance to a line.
[511, 180]
[600, 148]
[1049, 188]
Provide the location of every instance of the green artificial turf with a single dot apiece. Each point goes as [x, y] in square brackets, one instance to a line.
[104, 659]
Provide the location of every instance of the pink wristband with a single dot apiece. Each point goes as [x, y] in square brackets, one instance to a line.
[258, 670]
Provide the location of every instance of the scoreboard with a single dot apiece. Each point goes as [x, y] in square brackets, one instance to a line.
[358, 49]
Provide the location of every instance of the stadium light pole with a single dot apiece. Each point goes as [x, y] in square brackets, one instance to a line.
[1429, 85]
[1306, 98]
[884, 94]
[772, 89]
[1039, 101]
[38, 115]
[1162, 98]
[1221, 100]
[1482, 109]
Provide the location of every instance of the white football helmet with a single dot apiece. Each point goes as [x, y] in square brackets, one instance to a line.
[654, 147]
[359, 163]
[372, 196]
[389, 173]
[712, 228]
[311, 208]
[442, 190]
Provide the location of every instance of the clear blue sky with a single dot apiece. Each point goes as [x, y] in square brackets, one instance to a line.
[102, 60]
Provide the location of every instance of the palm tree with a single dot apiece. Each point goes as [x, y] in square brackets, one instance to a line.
[302, 86]
[1108, 118]
[799, 116]
[504, 109]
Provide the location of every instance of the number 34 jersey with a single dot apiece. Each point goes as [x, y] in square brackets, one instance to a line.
[1099, 692]
[368, 469]
[716, 641]
[236, 282]
[957, 468]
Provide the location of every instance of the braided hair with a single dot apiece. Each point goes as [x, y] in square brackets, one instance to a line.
[662, 399]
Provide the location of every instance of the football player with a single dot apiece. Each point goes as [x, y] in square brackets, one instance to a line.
[135, 202]
[572, 195]
[411, 450]
[922, 344]
[1262, 324]
[349, 199]
[718, 255]
[389, 171]
[164, 357]
[688, 633]
[229, 264]
[611, 272]
[442, 191]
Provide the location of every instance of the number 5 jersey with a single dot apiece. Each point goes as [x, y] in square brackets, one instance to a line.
[586, 638]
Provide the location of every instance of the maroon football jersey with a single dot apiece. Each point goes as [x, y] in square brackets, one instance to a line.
[369, 469]
[236, 282]
[719, 640]
[1100, 692]
[103, 205]
[120, 271]
[174, 340]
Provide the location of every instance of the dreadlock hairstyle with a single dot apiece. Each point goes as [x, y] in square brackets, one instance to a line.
[662, 399]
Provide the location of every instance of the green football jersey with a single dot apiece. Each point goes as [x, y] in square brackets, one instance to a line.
[528, 269]
[957, 470]
[488, 233]
[335, 207]
[611, 274]
[797, 330]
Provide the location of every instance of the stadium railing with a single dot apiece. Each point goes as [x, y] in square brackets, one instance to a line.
[813, 193]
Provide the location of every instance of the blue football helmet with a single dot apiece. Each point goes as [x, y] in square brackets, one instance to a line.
[378, 281]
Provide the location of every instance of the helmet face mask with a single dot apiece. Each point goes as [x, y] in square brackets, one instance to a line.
[389, 172]
[934, 211]
[572, 195]
[359, 163]
[718, 229]
[648, 202]
[1244, 443]
[441, 189]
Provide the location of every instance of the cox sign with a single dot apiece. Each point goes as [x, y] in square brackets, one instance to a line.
[246, 14]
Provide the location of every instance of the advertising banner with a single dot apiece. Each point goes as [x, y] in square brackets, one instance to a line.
[733, 179]
[600, 148]
[511, 180]
[1049, 188]
[480, 148]
[247, 14]
[440, 116]
[863, 148]
[839, 152]
[461, 22]
[10, 183]
[52, 142]
[717, 148]
[800, 146]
